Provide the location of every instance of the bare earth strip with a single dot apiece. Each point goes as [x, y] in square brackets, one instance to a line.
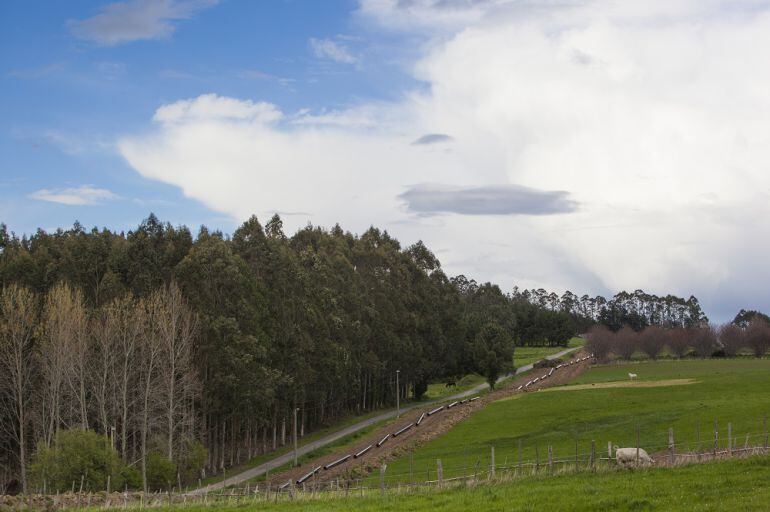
[286, 458]
[625, 384]
[430, 428]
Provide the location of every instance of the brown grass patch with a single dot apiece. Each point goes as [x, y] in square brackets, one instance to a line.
[625, 384]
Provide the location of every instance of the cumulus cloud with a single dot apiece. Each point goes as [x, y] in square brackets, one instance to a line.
[488, 200]
[640, 112]
[77, 196]
[332, 50]
[134, 20]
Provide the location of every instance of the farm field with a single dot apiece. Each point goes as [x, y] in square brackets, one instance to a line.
[735, 391]
[737, 484]
[522, 357]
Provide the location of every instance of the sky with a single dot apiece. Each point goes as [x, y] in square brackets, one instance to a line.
[594, 146]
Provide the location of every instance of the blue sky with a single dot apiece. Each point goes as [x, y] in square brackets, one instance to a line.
[66, 98]
[590, 145]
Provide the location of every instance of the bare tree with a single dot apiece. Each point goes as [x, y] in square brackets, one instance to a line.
[176, 327]
[704, 340]
[125, 321]
[625, 342]
[18, 322]
[599, 342]
[54, 350]
[79, 355]
[105, 335]
[652, 340]
[758, 336]
[679, 341]
[732, 338]
[150, 353]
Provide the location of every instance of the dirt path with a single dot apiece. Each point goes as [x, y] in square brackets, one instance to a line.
[430, 428]
[319, 443]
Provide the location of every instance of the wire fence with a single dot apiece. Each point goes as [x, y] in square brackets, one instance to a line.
[588, 457]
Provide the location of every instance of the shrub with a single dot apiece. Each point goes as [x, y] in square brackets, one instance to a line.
[758, 336]
[599, 342]
[652, 340]
[625, 343]
[161, 472]
[679, 340]
[547, 363]
[75, 453]
[191, 459]
[732, 339]
[704, 341]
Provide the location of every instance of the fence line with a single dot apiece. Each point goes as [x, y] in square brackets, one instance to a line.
[667, 454]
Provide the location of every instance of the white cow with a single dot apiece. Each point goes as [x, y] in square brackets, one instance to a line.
[627, 456]
[632, 376]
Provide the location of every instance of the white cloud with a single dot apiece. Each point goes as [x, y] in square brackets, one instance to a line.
[210, 107]
[332, 50]
[642, 112]
[78, 196]
[134, 20]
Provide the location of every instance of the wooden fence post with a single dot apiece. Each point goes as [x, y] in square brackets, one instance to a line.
[537, 459]
[440, 473]
[383, 467]
[411, 475]
[519, 469]
[550, 460]
[577, 467]
[637, 446]
[697, 437]
[492, 466]
[730, 439]
[609, 451]
[765, 428]
[671, 445]
[716, 438]
[593, 455]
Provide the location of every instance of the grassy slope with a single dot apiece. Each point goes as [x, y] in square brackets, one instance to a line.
[727, 485]
[737, 391]
[522, 356]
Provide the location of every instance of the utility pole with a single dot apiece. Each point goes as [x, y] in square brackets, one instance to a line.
[398, 392]
[295, 436]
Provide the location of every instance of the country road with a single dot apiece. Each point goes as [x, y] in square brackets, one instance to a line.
[319, 443]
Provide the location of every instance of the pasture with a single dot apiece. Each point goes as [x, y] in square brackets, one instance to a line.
[688, 396]
[737, 484]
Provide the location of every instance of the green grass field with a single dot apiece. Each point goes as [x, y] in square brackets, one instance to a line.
[736, 391]
[522, 356]
[736, 485]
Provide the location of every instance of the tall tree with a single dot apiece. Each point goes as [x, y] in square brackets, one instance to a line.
[18, 321]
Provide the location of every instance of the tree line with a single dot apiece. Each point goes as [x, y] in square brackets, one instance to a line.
[192, 352]
[636, 310]
[726, 340]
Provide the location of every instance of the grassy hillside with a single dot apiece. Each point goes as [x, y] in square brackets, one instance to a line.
[736, 391]
[727, 485]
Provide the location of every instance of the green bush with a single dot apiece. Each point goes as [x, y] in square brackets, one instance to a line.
[191, 460]
[77, 453]
[161, 472]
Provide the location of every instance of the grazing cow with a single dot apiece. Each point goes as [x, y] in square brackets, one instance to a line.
[632, 376]
[627, 456]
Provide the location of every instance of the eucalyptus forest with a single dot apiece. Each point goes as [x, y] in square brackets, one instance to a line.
[188, 354]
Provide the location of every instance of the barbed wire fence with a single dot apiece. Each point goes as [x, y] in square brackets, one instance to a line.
[476, 468]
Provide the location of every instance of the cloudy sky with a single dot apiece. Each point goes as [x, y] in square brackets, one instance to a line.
[585, 145]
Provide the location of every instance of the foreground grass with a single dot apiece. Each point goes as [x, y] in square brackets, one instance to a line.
[736, 391]
[738, 484]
